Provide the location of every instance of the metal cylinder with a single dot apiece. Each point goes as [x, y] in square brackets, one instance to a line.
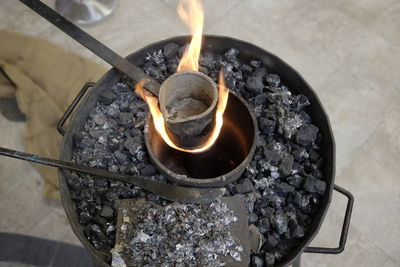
[188, 102]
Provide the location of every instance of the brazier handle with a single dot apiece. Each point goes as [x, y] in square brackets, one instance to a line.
[345, 228]
[71, 108]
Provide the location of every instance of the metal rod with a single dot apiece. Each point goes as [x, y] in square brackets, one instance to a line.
[93, 45]
[171, 192]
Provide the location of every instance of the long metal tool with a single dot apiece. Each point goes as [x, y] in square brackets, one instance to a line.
[170, 192]
[98, 48]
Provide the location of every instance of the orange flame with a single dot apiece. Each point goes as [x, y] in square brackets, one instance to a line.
[191, 12]
[158, 119]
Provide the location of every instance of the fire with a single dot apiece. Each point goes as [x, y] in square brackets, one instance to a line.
[158, 118]
[191, 12]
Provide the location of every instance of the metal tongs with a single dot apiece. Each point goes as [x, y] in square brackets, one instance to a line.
[167, 191]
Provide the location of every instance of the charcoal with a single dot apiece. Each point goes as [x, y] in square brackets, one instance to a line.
[149, 170]
[245, 187]
[314, 185]
[107, 97]
[262, 183]
[273, 80]
[302, 201]
[306, 135]
[254, 82]
[300, 154]
[96, 133]
[99, 119]
[257, 261]
[132, 146]
[125, 118]
[255, 63]
[124, 107]
[295, 180]
[232, 189]
[260, 99]
[264, 225]
[113, 111]
[298, 231]
[246, 69]
[268, 212]
[272, 240]
[106, 212]
[121, 157]
[267, 126]
[273, 156]
[301, 102]
[85, 217]
[314, 156]
[286, 165]
[280, 223]
[253, 218]
[74, 181]
[284, 188]
[269, 259]
[171, 50]
[207, 60]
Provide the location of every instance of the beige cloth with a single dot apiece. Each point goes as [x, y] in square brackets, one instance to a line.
[44, 78]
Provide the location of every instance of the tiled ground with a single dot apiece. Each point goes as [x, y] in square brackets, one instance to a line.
[348, 50]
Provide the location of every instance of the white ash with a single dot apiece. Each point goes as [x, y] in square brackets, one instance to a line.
[286, 170]
[194, 235]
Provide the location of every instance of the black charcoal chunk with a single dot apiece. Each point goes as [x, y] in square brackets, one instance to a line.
[253, 218]
[264, 225]
[300, 154]
[260, 99]
[245, 187]
[171, 50]
[107, 97]
[125, 118]
[295, 180]
[314, 185]
[132, 146]
[273, 80]
[106, 211]
[255, 63]
[254, 82]
[301, 102]
[306, 135]
[149, 170]
[269, 259]
[272, 240]
[257, 261]
[273, 156]
[286, 165]
[284, 188]
[280, 222]
[267, 126]
[121, 157]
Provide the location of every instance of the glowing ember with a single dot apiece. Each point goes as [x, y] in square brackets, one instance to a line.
[158, 119]
[191, 12]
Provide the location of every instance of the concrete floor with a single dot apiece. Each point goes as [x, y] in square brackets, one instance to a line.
[348, 50]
